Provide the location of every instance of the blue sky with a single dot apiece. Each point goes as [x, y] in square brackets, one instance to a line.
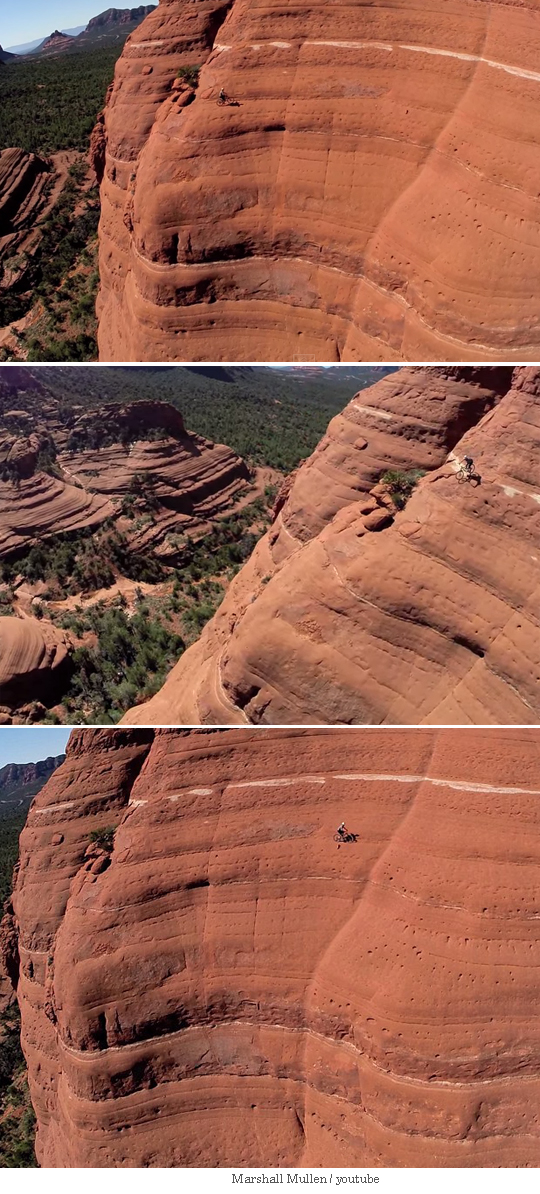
[28, 744]
[28, 19]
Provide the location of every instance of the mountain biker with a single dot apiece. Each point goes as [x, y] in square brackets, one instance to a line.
[468, 465]
[222, 98]
[342, 830]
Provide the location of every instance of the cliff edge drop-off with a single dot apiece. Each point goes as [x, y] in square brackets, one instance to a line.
[350, 611]
[372, 193]
[222, 985]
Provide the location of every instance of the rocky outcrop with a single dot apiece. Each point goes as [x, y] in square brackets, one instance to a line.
[34, 664]
[350, 611]
[25, 185]
[129, 422]
[41, 505]
[221, 985]
[356, 201]
[98, 148]
[5, 56]
[56, 41]
[139, 453]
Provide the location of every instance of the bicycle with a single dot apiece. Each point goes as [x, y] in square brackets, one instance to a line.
[226, 101]
[465, 474]
[345, 837]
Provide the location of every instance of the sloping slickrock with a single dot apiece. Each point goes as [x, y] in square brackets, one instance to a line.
[185, 475]
[25, 184]
[187, 470]
[409, 420]
[187, 478]
[56, 41]
[193, 482]
[34, 657]
[42, 505]
[433, 618]
[228, 987]
[373, 192]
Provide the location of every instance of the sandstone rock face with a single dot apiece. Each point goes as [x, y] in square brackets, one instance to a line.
[344, 616]
[409, 420]
[34, 657]
[228, 987]
[371, 194]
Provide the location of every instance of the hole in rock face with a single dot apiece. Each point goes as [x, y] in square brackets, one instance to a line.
[173, 250]
[243, 695]
[194, 883]
[101, 1031]
[461, 640]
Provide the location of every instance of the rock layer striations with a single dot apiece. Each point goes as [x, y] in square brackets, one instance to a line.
[371, 193]
[227, 987]
[350, 611]
[137, 453]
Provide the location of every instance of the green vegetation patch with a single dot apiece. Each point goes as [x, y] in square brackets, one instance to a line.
[127, 661]
[104, 838]
[269, 416]
[81, 563]
[123, 657]
[47, 104]
[17, 1119]
[401, 484]
[11, 826]
[68, 244]
[189, 75]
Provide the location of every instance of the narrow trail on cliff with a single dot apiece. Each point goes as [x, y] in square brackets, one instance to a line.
[392, 47]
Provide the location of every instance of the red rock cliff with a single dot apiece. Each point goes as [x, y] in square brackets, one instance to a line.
[227, 987]
[349, 613]
[372, 194]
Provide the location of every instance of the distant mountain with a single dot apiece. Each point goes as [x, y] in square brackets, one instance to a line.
[19, 782]
[56, 40]
[120, 16]
[107, 26]
[28, 46]
[219, 372]
[360, 375]
[113, 25]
